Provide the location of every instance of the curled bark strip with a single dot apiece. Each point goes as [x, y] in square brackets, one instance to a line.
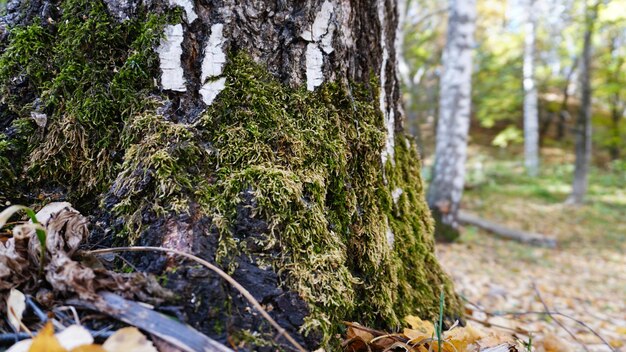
[244, 292]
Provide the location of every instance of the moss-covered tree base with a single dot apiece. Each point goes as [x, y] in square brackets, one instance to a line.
[283, 187]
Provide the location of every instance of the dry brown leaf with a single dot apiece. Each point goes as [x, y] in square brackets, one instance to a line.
[355, 332]
[468, 334]
[494, 339]
[383, 342]
[66, 228]
[552, 343]
[505, 347]
[130, 340]
[16, 304]
[459, 339]
[49, 209]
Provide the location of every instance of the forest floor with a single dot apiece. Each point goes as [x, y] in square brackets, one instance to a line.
[583, 279]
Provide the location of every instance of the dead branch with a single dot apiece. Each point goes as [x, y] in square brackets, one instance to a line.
[534, 239]
[489, 324]
[364, 328]
[177, 334]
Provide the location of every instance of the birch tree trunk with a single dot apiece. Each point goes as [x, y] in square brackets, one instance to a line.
[583, 122]
[531, 115]
[266, 137]
[446, 187]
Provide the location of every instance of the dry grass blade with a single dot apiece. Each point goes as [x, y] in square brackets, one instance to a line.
[221, 273]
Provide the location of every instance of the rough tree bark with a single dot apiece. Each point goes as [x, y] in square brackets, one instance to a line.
[446, 187]
[616, 102]
[531, 114]
[264, 136]
[583, 122]
[564, 115]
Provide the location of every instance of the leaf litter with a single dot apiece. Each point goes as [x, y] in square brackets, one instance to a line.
[583, 288]
[421, 336]
[65, 269]
[43, 258]
[492, 283]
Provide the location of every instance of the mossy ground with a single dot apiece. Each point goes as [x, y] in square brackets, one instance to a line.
[311, 160]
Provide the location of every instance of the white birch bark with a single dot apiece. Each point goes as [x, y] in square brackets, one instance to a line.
[531, 115]
[446, 187]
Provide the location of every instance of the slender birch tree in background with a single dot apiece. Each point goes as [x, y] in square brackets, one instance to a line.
[446, 187]
[531, 115]
[583, 122]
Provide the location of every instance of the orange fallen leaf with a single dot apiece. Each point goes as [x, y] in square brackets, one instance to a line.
[420, 329]
[45, 341]
[552, 343]
[89, 348]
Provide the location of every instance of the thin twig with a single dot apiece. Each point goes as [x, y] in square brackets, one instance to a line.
[35, 308]
[515, 330]
[221, 273]
[549, 313]
[74, 313]
[547, 309]
[14, 337]
[364, 328]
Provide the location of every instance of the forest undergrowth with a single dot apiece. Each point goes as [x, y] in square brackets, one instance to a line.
[582, 281]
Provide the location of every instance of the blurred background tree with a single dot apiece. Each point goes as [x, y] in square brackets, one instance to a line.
[497, 84]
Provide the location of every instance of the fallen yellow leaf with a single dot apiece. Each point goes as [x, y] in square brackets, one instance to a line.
[552, 343]
[420, 329]
[418, 324]
[45, 341]
[467, 334]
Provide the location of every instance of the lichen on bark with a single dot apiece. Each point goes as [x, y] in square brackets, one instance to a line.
[270, 181]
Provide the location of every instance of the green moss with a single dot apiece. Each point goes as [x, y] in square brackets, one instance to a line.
[164, 158]
[311, 161]
[413, 228]
[89, 73]
[12, 155]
